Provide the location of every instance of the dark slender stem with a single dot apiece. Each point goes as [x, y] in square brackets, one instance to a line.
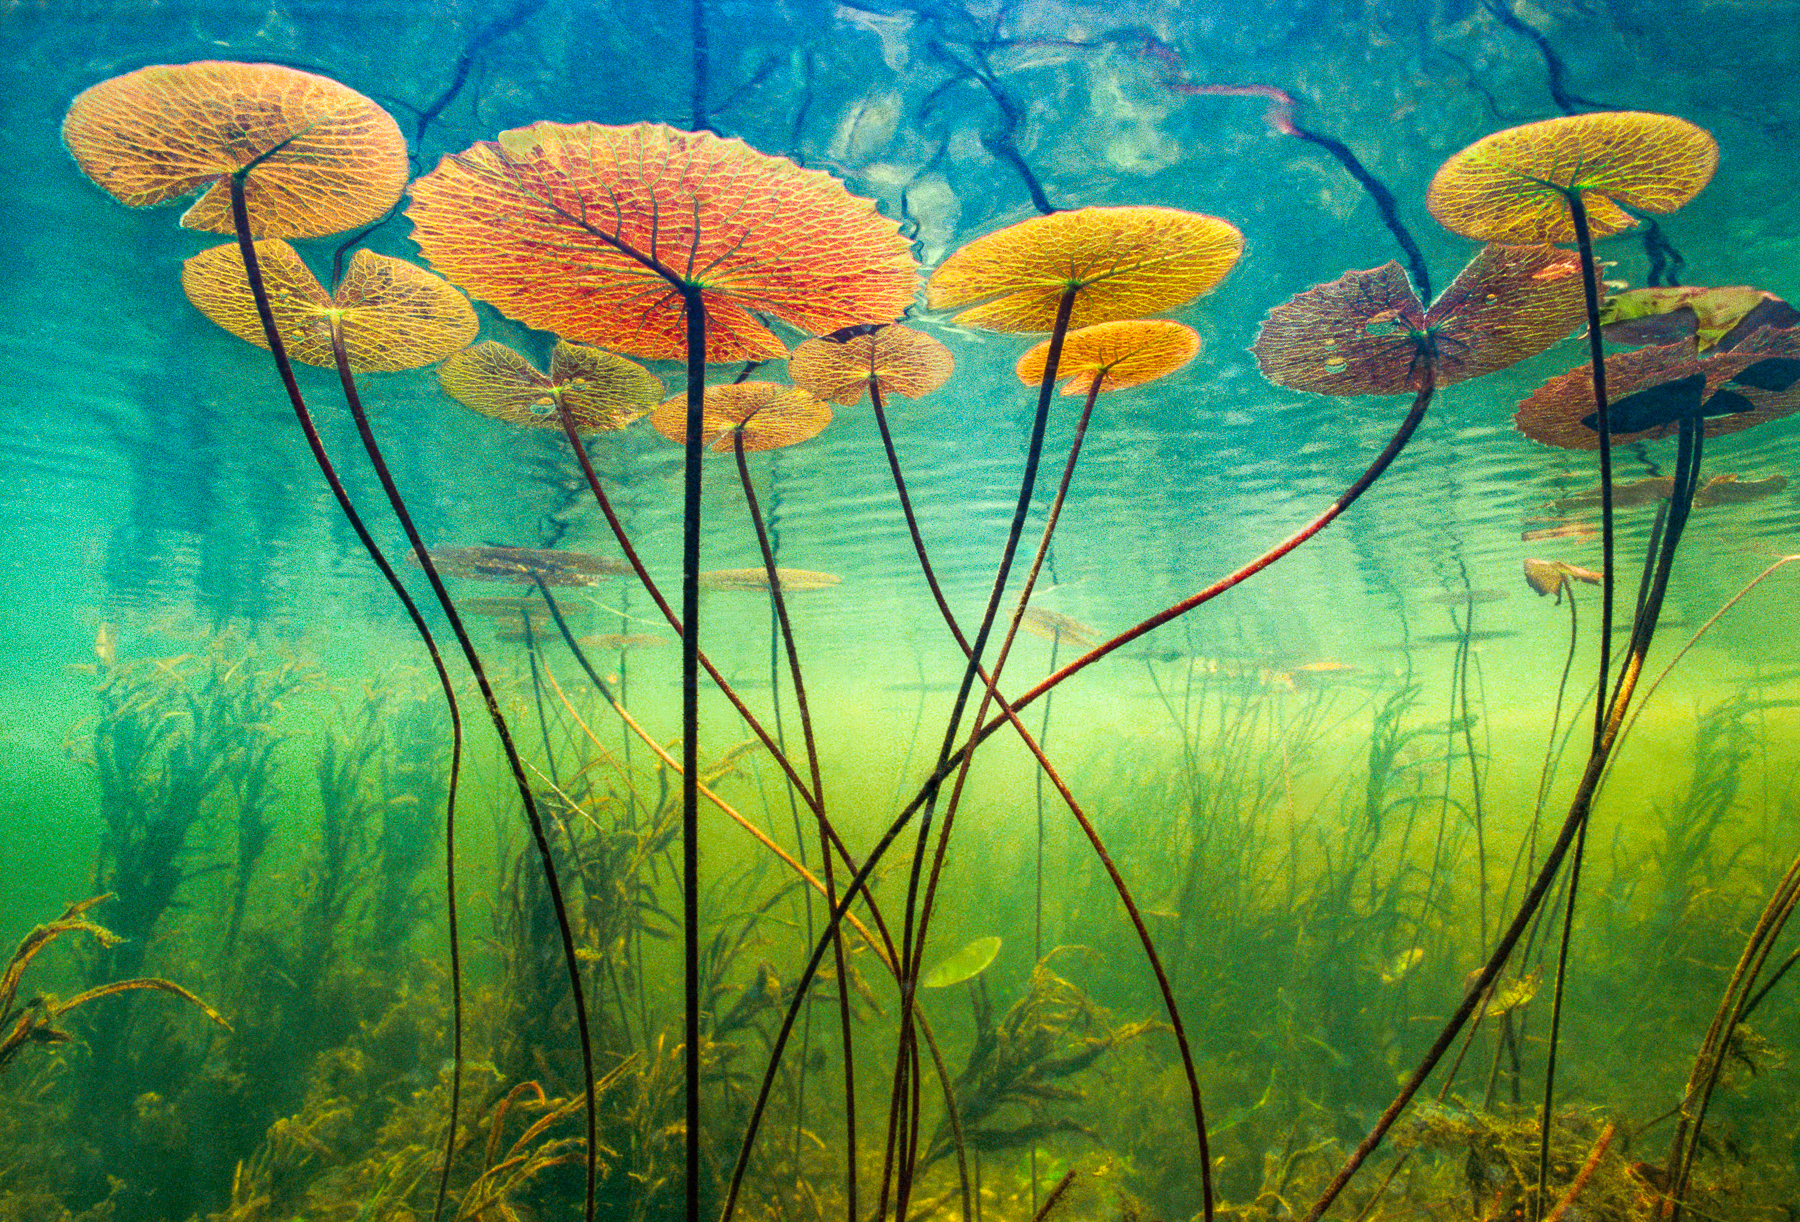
[694, 307]
[537, 697]
[830, 872]
[909, 951]
[1590, 287]
[240, 214]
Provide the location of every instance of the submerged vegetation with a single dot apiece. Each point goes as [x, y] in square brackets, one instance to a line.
[523, 937]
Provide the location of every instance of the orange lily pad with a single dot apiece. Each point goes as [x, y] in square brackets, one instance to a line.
[601, 390]
[170, 130]
[1365, 333]
[1122, 263]
[1514, 185]
[1651, 389]
[768, 414]
[393, 314]
[581, 228]
[792, 580]
[1114, 354]
[897, 360]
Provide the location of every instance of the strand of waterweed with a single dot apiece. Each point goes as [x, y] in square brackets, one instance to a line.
[240, 216]
[812, 756]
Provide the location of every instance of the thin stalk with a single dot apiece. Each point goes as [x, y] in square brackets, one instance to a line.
[1681, 500]
[539, 837]
[1590, 287]
[694, 308]
[818, 785]
[909, 952]
[537, 695]
[240, 215]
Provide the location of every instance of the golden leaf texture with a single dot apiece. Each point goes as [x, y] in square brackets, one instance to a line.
[1514, 185]
[768, 414]
[1648, 392]
[1114, 355]
[1553, 576]
[896, 360]
[602, 390]
[1713, 317]
[170, 130]
[393, 314]
[1126, 262]
[1365, 333]
[792, 580]
[586, 230]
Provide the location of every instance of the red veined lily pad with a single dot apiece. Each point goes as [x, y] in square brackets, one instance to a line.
[581, 228]
[768, 414]
[1365, 333]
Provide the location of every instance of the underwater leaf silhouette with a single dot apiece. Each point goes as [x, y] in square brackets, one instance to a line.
[1512, 186]
[578, 228]
[896, 359]
[1365, 333]
[768, 414]
[964, 964]
[170, 130]
[1125, 262]
[601, 390]
[393, 314]
[525, 565]
[1550, 576]
[1715, 317]
[1130, 352]
[792, 580]
[1652, 388]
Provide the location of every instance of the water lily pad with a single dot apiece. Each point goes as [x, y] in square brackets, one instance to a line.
[769, 415]
[1126, 262]
[602, 390]
[1130, 352]
[898, 360]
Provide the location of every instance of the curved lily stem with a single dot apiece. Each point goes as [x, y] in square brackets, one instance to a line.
[818, 788]
[1590, 287]
[910, 949]
[1681, 501]
[240, 214]
[539, 836]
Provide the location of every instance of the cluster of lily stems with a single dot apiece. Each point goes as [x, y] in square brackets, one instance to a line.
[845, 879]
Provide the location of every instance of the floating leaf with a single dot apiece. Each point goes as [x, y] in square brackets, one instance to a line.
[1730, 490]
[1054, 626]
[622, 640]
[1551, 576]
[1123, 263]
[583, 229]
[601, 390]
[1649, 390]
[1719, 317]
[523, 564]
[898, 360]
[792, 580]
[393, 314]
[167, 131]
[1120, 354]
[1513, 186]
[965, 964]
[768, 414]
[1365, 333]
